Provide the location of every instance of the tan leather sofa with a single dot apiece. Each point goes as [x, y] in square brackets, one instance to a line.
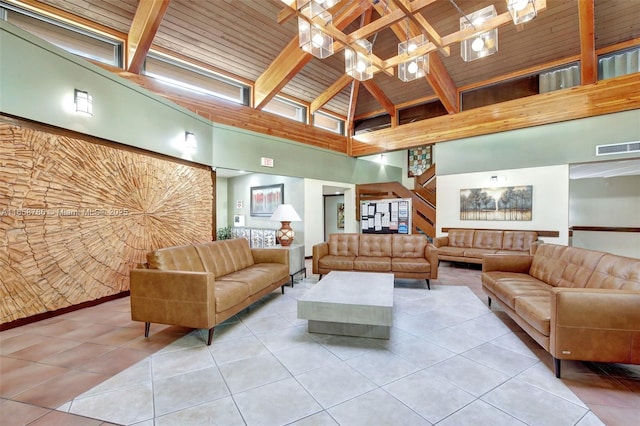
[576, 303]
[201, 285]
[470, 245]
[406, 256]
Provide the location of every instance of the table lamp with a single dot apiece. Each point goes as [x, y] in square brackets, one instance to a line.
[285, 214]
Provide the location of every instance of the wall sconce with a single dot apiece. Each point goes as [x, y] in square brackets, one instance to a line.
[190, 140]
[84, 102]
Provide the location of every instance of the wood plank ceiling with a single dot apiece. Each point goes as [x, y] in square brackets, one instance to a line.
[244, 39]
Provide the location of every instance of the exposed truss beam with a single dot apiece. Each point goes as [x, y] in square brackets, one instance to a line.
[588, 58]
[292, 59]
[332, 91]
[143, 29]
[379, 95]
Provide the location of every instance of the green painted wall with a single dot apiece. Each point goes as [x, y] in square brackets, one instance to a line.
[239, 149]
[553, 144]
[37, 82]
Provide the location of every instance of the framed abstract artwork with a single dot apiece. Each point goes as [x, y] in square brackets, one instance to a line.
[266, 199]
[419, 160]
[340, 215]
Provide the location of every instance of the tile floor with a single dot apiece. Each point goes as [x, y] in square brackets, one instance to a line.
[450, 361]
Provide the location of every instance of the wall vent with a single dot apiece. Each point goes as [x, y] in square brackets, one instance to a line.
[618, 148]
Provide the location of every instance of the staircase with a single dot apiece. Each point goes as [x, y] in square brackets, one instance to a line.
[423, 199]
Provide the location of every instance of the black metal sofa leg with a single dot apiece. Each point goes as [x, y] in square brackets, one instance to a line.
[210, 339]
[556, 366]
[147, 327]
[489, 301]
[428, 285]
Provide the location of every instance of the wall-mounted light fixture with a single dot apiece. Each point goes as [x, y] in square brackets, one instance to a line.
[84, 102]
[190, 146]
[190, 141]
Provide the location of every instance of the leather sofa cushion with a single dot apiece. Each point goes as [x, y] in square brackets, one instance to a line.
[258, 276]
[508, 291]
[225, 257]
[536, 311]
[181, 258]
[344, 244]
[375, 245]
[460, 238]
[410, 264]
[372, 263]
[477, 252]
[546, 265]
[579, 265]
[518, 240]
[451, 251]
[338, 263]
[408, 245]
[229, 293]
[616, 272]
[509, 252]
[483, 239]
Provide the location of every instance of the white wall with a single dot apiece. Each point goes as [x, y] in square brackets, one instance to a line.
[607, 202]
[550, 200]
[314, 211]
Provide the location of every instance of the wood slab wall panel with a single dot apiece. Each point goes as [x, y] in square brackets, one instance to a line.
[77, 216]
[607, 96]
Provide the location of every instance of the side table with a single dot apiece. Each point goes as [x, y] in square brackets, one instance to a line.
[296, 259]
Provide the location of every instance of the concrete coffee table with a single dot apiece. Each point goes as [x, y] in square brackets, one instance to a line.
[350, 304]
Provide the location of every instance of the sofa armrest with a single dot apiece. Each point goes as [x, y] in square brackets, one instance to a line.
[441, 241]
[601, 325]
[507, 263]
[595, 308]
[270, 255]
[173, 297]
[431, 254]
[319, 250]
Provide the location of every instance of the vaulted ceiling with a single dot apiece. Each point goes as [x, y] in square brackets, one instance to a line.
[255, 41]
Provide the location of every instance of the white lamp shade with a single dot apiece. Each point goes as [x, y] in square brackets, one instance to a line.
[285, 213]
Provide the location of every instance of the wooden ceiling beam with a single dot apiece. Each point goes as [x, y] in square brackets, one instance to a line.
[588, 58]
[438, 76]
[379, 95]
[422, 24]
[332, 91]
[292, 59]
[351, 113]
[144, 26]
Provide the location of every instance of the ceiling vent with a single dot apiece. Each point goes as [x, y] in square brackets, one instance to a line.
[618, 148]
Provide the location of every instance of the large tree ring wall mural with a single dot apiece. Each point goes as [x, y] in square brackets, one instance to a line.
[76, 216]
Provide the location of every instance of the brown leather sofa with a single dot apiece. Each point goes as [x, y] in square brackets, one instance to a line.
[470, 245]
[576, 303]
[406, 256]
[201, 285]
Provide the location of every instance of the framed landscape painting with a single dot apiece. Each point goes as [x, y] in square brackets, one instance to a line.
[266, 199]
[505, 203]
